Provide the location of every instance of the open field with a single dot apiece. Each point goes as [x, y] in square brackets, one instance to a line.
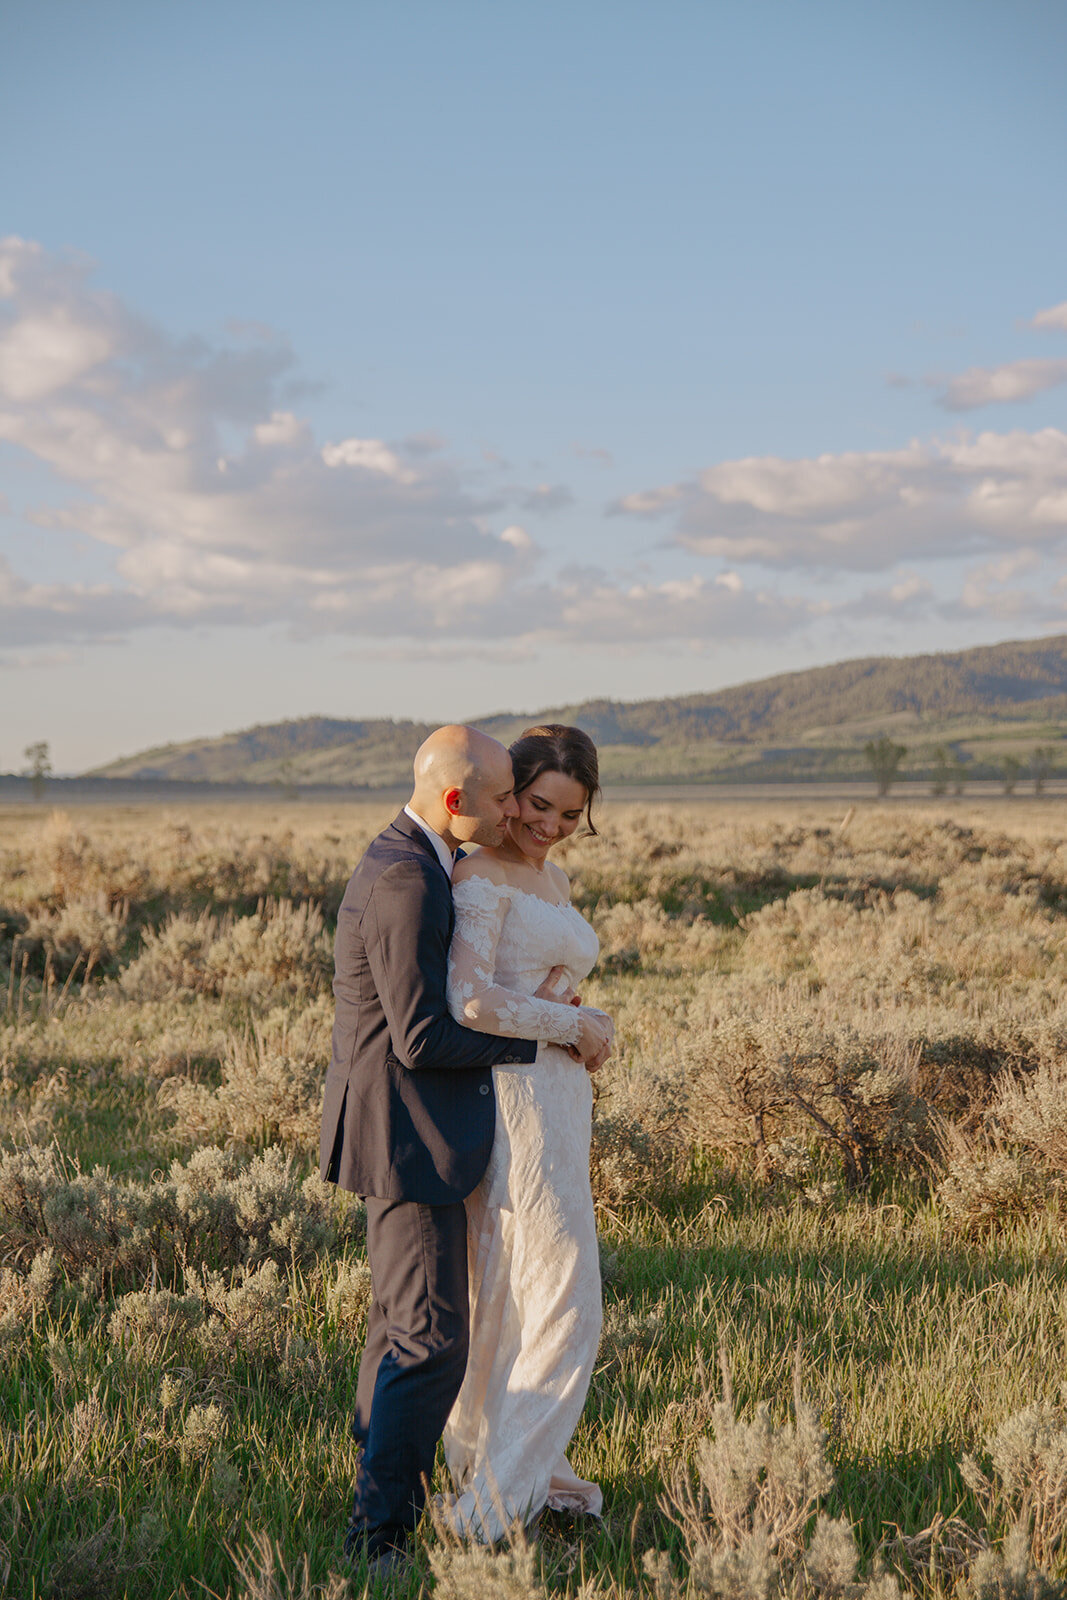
[833, 1138]
[134, 795]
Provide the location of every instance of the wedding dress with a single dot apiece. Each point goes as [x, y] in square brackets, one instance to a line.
[531, 1233]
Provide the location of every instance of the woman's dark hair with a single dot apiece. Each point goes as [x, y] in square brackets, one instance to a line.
[555, 748]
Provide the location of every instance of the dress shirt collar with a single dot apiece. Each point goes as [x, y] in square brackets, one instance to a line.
[444, 854]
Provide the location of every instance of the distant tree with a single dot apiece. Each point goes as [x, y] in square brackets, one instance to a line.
[40, 766]
[1042, 762]
[286, 779]
[1010, 768]
[959, 773]
[885, 757]
[941, 772]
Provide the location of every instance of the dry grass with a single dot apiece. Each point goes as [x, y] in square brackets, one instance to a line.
[836, 1114]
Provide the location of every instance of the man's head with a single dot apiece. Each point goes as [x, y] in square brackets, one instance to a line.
[463, 786]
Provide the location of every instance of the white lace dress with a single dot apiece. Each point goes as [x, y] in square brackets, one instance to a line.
[531, 1233]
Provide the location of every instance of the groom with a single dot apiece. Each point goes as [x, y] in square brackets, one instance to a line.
[408, 1121]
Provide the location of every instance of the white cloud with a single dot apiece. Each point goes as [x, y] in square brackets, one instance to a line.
[868, 510]
[545, 497]
[597, 610]
[650, 502]
[988, 588]
[518, 538]
[219, 506]
[909, 588]
[41, 354]
[1052, 317]
[212, 503]
[282, 429]
[212, 491]
[820, 487]
[35, 613]
[907, 598]
[369, 455]
[1015, 380]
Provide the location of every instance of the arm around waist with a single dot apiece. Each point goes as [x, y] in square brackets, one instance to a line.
[406, 925]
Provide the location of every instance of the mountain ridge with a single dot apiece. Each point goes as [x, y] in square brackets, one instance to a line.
[811, 722]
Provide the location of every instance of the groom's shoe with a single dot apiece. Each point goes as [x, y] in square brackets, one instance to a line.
[386, 1563]
[389, 1566]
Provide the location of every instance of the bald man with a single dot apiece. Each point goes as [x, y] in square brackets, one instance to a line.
[408, 1122]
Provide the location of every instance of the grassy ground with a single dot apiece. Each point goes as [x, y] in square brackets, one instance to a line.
[145, 1441]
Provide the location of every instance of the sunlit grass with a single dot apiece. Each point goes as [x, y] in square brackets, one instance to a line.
[918, 1333]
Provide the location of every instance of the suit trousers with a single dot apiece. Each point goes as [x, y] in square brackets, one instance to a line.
[418, 1329]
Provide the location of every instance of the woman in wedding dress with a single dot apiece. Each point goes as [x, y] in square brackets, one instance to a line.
[531, 1233]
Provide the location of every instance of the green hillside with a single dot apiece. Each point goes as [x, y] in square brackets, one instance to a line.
[977, 706]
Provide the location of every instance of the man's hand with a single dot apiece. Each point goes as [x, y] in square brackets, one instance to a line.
[597, 1061]
[596, 1030]
[595, 1038]
[555, 987]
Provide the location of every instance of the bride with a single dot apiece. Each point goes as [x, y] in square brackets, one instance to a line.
[531, 1234]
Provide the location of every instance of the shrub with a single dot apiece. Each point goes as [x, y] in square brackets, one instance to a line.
[235, 1211]
[1007, 1574]
[755, 1080]
[1028, 1481]
[265, 1097]
[96, 1224]
[86, 934]
[23, 1295]
[753, 1477]
[746, 1521]
[146, 1321]
[641, 934]
[620, 1161]
[348, 1295]
[484, 1572]
[636, 1150]
[986, 1185]
[242, 1314]
[1032, 1111]
[282, 952]
[215, 1211]
[203, 1431]
[248, 1315]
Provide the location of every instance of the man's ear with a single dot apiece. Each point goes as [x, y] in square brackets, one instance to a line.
[453, 799]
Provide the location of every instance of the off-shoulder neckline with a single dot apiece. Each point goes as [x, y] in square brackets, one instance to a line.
[512, 888]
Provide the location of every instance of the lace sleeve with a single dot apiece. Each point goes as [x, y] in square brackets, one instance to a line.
[473, 997]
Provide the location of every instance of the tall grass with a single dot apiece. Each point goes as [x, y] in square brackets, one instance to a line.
[832, 1144]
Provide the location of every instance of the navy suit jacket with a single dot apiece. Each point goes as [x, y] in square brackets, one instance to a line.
[409, 1109]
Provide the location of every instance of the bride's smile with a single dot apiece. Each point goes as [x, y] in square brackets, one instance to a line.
[549, 810]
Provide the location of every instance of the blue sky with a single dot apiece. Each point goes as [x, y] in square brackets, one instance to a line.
[434, 359]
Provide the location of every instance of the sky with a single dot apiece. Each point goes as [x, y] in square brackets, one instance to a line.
[430, 360]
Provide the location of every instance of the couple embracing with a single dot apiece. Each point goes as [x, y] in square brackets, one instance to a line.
[485, 1316]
